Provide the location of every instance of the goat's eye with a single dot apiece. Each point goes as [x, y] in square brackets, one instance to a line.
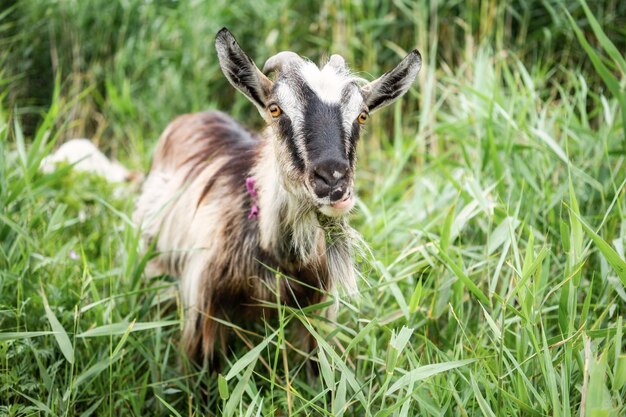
[275, 111]
[362, 118]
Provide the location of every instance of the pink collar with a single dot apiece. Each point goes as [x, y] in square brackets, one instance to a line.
[254, 207]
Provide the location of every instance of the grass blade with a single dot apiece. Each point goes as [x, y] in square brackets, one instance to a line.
[60, 334]
[612, 257]
[117, 329]
[249, 357]
[427, 371]
[482, 402]
[23, 335]
[461, 275]
[168, 406]
[606, 43]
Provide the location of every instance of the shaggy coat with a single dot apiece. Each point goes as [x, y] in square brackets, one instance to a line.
[245, 219]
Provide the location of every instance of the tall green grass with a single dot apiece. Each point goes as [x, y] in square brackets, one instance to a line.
[492, 199]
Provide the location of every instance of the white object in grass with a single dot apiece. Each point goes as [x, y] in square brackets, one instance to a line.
[85, 157]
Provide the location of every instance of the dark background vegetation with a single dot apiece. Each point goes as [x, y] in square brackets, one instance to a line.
[165, 47]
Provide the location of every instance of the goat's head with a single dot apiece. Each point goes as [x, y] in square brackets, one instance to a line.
[316, 115]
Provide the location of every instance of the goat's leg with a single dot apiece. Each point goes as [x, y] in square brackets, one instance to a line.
[212, 331]
[200, 333]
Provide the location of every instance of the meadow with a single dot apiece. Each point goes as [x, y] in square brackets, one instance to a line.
[491, 197]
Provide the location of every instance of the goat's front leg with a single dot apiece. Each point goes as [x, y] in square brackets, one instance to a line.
[200, 334]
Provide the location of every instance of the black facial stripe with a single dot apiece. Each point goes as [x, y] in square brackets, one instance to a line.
[323, 127]
[346, 93]
[286, 133]
[355, 133]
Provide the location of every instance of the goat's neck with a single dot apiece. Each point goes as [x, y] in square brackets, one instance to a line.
[288, 223]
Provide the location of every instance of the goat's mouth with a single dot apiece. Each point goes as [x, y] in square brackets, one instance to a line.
[339, 207]
[334, 201]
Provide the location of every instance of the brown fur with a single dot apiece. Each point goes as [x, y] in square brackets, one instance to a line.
[196, 205]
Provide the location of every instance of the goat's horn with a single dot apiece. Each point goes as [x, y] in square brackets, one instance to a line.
[276, 62]
[337, 61]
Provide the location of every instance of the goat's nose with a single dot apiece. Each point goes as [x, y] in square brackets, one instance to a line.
[329, 175]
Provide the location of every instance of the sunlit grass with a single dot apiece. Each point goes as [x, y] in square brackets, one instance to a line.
[492, 199]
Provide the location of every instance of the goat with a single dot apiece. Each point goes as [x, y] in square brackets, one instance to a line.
[226, 208]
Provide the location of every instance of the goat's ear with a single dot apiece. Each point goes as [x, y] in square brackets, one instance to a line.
[393, 84]
[241, 71]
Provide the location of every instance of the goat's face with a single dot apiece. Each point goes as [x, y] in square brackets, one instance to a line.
[316, 115]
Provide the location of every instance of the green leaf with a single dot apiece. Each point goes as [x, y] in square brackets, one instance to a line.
[168, 406]
[60, 334]
[342, 366]
[620, 375]
[492, 324]
[606, 43]
[115, 329]
[399, 341]
[396, 346]
[249, 357]
[89, 373]
[327, 372]
[446, 228]
[361, 335]
[123, 339]
[22, 335]
[587, 304]
[414, 302]
[464, 278]
[427, 371]
[339, 399]
[564, 229]
[482, 402]
[576, 243]
[236, 397]
[222, 386]
[552, 144]
[598, 395]
[40, 406]
[617, 263]
[609, 79]
[91, 409]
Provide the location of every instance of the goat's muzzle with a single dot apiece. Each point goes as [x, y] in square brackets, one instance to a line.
[331, 183]
[330, 179]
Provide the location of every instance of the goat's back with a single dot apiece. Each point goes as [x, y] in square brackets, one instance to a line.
[199, 158]
[193, 140]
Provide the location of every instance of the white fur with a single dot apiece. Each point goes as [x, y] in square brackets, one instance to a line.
[282, 207]
[292, 106]
[331, 211]
[85, 157]
[289, 102]
[272, 197]
[327, 83]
